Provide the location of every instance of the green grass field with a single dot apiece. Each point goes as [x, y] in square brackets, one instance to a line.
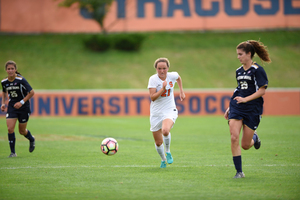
[203, 60]
[68, 163]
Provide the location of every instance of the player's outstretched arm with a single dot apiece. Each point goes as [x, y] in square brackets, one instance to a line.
[182, 95]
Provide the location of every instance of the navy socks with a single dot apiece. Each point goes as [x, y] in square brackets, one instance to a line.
[29, 136]
[254, 137]
[12, 141]
[237, 160]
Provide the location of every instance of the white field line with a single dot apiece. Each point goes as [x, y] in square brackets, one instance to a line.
[140, 166]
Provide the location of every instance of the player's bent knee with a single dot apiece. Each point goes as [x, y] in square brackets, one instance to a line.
[246, 146]
[158, 143]
[23, 132]
[10, 130]
[165, 132]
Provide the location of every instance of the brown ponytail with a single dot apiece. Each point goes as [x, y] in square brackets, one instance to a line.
[257, 47]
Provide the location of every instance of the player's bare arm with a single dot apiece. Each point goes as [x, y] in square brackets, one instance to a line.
[260, 92]
[226, 113]
[182, 95]
[154, 95]
[26, 98]
[3, 101]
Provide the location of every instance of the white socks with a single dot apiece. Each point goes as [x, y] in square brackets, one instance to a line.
[167, 142]
[160, 150]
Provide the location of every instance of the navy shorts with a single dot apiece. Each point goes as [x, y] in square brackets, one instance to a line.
[252, 121]
[22, 116]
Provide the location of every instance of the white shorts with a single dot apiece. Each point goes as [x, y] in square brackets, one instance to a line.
[156, 120]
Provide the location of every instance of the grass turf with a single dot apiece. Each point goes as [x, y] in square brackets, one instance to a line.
[203, 60]
[68, 163]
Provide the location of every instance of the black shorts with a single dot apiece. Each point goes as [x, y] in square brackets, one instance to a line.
[22, 116]
[252, 121]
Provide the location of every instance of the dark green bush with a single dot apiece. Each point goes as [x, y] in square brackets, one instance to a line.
[128, 42]
[98, 43]
[123, 42]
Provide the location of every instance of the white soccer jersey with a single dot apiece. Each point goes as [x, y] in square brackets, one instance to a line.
[166, 100]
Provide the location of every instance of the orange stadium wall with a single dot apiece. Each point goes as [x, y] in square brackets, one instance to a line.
[137, 103]
[38, 16]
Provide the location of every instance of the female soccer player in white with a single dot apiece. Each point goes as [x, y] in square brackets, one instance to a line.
[246, 105]
[163, 112]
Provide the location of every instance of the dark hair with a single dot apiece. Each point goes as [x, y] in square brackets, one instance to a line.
[257, 47]
[10, 62]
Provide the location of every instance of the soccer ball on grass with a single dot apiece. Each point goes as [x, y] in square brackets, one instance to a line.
[109, 146]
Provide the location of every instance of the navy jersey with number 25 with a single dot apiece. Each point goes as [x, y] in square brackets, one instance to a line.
[16, 90]
[249, 81]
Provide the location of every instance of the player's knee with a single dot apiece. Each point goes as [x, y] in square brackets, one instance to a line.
[246, 146]
[23, 132]
[165, 131]
[158, 143]
[10, 130]
[234, 138]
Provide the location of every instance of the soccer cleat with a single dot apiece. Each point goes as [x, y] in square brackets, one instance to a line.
[258, 142]
[239, 175]
[163, 164]
[12, 155]
[32, 145]
[169, 158]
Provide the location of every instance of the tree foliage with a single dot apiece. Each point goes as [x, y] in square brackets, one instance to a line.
[97, 8]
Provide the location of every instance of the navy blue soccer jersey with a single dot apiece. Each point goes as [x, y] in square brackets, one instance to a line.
[17, 90]
[249, 82]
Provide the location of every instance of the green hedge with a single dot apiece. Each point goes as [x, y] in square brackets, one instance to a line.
[128, 42]
[122, 42]
[98, 43]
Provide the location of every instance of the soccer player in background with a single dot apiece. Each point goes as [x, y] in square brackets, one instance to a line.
[19, 92]
[163, 111]
[246, 105]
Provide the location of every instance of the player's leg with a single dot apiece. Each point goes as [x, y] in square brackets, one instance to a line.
[250, 136]
[27, 134]
[157, 135]
[156, 126]
[166, 127]
[247, 139]
[23, 119]
[235, 127]
[11, 123]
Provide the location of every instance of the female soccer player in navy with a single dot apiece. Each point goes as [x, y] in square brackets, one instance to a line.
[246, 105]
[163, 112]
[19, 92]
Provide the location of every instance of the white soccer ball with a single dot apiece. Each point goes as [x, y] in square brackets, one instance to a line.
[109, 146]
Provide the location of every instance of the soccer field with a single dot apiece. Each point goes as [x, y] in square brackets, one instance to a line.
[68, 163]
